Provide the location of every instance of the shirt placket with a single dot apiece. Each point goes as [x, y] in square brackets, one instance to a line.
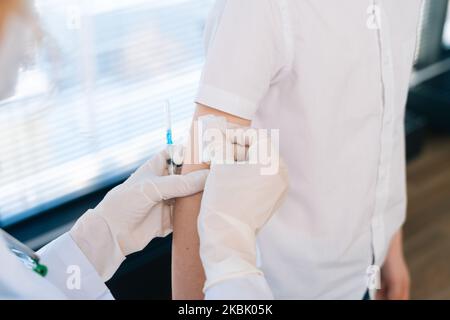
[387, 131]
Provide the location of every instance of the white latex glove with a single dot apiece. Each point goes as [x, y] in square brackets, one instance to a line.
[133, 214]
[237, 202]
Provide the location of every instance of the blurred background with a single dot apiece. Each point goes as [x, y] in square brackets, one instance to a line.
[89, 111]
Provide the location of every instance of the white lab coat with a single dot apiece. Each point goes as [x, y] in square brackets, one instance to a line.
[64, 259]
[70, 275]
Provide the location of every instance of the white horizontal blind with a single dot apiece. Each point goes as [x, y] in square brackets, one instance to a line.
[118, 62]
[447, 30]
[429, 46]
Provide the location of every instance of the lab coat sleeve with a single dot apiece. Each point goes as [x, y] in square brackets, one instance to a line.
[71, 272]
[246, 52]
[18, 282]
[250, 287]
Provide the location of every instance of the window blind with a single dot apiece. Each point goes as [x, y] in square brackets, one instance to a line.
[429, 49]
[91, 108]
[446, 37]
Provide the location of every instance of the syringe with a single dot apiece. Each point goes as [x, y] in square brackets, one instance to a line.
[169, 140]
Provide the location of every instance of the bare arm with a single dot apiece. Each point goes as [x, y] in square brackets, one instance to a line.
[187, 272]
[395, 279]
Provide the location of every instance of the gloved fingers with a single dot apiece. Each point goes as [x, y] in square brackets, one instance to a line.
[264, 153]
[239, 145]
[258, 152]
[240, 152]
[178, 154]
[157, 165]
[223, 142]
[248, 145]
[153, 167]
[176, 186]
[240, 139]
[217, 152]
[242, 136]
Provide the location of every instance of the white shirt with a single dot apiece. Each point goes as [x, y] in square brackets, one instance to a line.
[333, 77]
[65, 263]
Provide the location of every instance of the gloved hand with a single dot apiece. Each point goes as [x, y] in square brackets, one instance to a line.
[237, 202]
[132, 214]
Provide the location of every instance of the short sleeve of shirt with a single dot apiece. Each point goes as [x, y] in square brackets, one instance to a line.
[245, 51]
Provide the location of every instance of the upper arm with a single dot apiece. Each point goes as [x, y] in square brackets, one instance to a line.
[203, 110]
[245, 53]
[187, 271]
